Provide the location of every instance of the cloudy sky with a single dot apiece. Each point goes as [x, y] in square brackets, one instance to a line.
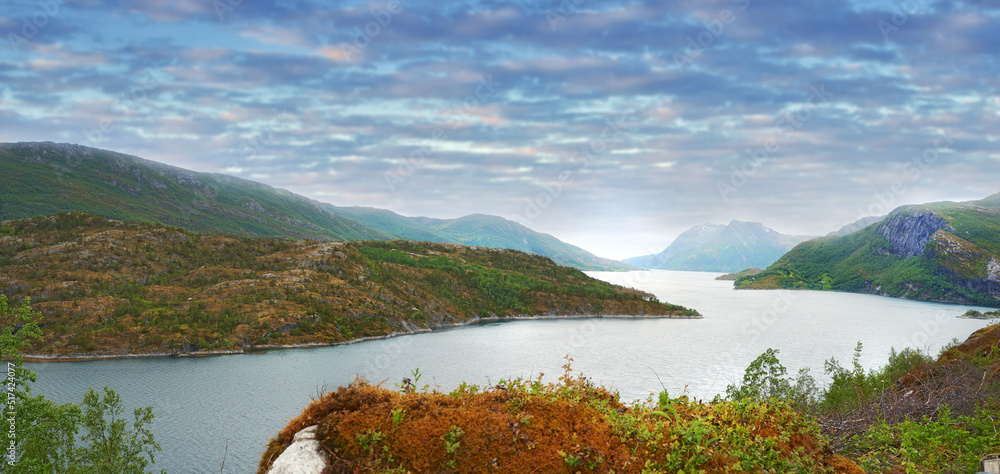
[613, 125]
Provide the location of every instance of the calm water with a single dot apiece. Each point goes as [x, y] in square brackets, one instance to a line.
[203, 404]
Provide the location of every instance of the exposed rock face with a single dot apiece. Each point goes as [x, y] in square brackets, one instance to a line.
[909, 228]
[304, 456]
[964, 262]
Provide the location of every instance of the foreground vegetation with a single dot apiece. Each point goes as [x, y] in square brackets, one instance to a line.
[569, 426]
[914, 415]
[41, 436]
[113, 287]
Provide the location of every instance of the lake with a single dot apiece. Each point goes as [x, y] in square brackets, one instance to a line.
[204, 405]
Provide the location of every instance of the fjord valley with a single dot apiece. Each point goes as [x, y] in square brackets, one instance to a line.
[115, 287]
[386, 236]
[946, 251]
[168, 262]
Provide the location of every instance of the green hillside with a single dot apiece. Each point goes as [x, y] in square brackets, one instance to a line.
[47, 178]
[482, 231]
[115, 287]
[387, 221]
[947, 251]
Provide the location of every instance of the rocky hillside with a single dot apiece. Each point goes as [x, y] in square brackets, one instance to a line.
[721, 248]
[116, 287]
[946, 251]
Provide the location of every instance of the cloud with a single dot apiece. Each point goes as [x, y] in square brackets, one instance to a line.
[269, 90]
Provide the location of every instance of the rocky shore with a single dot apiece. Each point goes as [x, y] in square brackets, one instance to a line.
[80, 357]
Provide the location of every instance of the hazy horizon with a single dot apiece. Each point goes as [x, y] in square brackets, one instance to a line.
[613, 126]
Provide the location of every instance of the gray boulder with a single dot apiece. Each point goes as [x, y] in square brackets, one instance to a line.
[304, 456]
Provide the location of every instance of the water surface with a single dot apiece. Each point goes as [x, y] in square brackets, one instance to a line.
[204, 404]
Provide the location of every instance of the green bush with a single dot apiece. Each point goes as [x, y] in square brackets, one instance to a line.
[945, 444]
[47, 440]
[764, 379]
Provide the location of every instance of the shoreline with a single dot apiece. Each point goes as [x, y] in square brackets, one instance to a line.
[84, 357]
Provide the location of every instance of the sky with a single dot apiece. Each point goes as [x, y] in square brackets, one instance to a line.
[612, 125]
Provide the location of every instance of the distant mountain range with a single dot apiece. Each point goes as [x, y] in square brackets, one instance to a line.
[945, 251]
[721, 248]
[47, 178]
[478, 230]
[855, 226]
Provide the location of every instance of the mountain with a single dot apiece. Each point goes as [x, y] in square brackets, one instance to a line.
[117, 287]
[945, 251]
[482, 231]
[855, 226]
[46, 178]
[721, 248]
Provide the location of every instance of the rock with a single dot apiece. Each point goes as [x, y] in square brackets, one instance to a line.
[909, 228]
[304, 456]
[254, 206]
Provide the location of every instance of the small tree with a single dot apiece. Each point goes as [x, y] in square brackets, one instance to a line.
[113, 446]
[848, 388]
[764, 379]
[45, 433]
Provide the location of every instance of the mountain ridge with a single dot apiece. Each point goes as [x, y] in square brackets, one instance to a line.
[721, 248]
[44, 178]
[479, 230]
